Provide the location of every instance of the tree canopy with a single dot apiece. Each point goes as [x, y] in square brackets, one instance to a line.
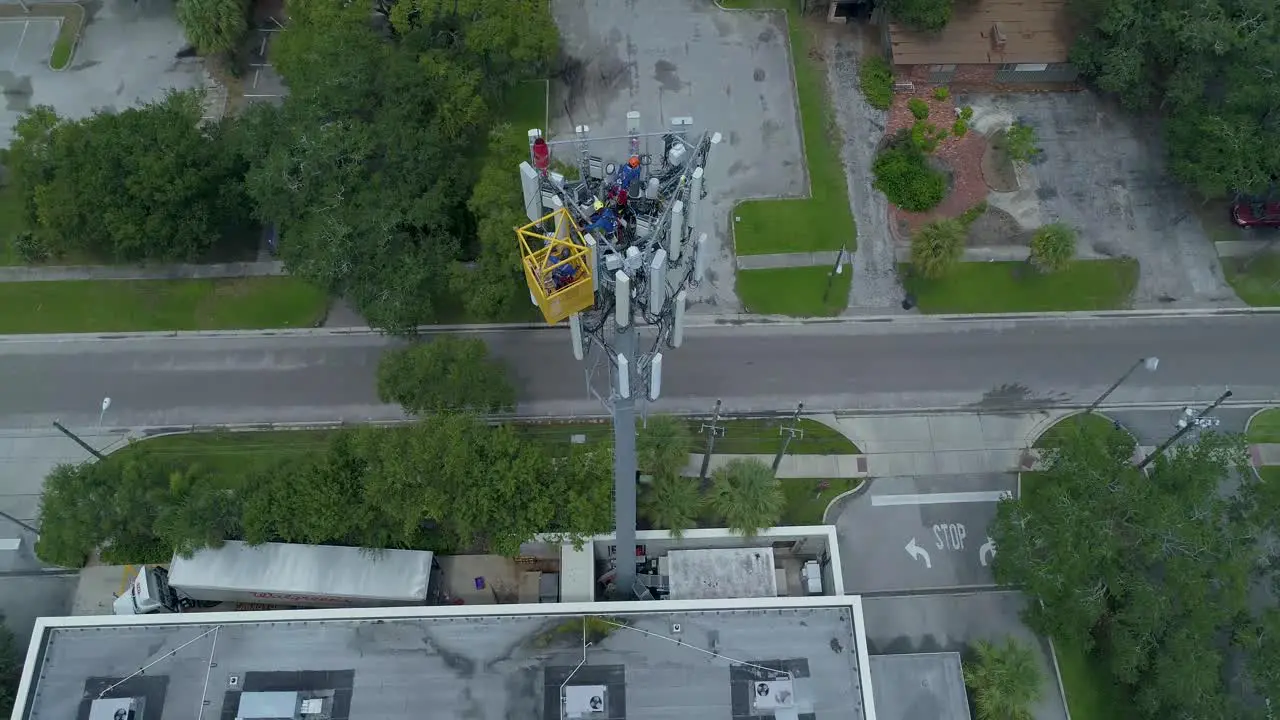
[213, 26]
[449, 373]
[746, 495]
[1145, 570]
[449, 483]
[151, 183]
[1209, 67]
[925, 15]
[367, 168]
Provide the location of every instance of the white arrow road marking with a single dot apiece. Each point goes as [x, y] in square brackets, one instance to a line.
[988, 549]
[918, 552]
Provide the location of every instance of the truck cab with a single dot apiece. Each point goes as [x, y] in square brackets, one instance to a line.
[147, 592]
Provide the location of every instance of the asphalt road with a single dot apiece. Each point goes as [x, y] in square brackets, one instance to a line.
[984, 365]
[926, 533]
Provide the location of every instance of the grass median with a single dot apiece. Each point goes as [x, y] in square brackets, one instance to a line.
[1256, 280]
[70, 13]
[83, 306]
[822, 221]
[998, 287]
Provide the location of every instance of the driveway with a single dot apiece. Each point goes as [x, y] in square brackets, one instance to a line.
[127, 56]
[730, 71]
[1102, 171]
[950, 623]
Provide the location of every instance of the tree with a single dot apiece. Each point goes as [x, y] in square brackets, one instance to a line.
[1053, 247]
[1211, 73]
[111, 506]
[1021, 143]
[11, 661]
[937, 247]
[1143, 569]
[671, 502]
[663, 446]
[1004, 679]
[446, 374]
[746, 495]
[586, 508]
[517, 39]
[213, 26]
[150, 183]
[199, 512]
[923, 15]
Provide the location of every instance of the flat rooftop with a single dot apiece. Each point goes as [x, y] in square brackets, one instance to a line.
[919, 686]
[498, 667]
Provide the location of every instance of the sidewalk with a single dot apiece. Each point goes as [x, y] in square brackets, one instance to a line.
[826, 467]
[54, 273]
[1264, 454]
[951, 444]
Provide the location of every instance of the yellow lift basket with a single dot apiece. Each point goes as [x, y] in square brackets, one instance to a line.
[558, 268]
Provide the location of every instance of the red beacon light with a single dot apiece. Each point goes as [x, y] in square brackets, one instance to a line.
[541, 155]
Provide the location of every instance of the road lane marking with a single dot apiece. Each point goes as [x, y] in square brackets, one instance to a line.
[939, 498]
[10, 544]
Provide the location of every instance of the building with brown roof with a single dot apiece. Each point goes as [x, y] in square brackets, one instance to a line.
[988, 41]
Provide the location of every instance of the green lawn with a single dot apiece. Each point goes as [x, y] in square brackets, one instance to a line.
[1259, 283]
[998, 287]
[1091, 423]
[806, 500]
[1091, 695]
[141, 305]
[240, 451]
[1265, 427]
[822, 221]
[798, 292]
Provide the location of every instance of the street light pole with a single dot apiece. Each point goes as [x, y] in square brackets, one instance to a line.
[1182, 431]
[1150, 363]
[106, 403]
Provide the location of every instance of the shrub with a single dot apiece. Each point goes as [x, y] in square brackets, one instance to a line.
[1021, 143]
[969, 216]
[31, 248]
[906, 180]
[1053, 247]
[966, 113]
[926, 136]
[941, 93]
[959, 128]
[876, 79]
[937, 247]
[918, 108]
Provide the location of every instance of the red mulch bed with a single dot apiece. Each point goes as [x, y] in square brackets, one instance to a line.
[963, 156]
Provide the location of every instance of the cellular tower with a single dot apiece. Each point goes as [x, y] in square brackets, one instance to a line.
[612, 246]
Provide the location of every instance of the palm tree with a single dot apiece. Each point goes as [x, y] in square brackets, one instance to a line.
[1053, 247]
[1004, 680]
[671, 503]
[937, 247]
[746, 494]
[663, 446]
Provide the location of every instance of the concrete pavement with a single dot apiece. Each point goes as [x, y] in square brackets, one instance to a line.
[993, 366]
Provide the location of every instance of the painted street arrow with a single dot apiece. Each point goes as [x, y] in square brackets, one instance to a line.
[987, 551]
[918, 553]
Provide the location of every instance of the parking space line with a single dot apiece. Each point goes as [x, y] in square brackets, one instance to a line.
[939, 498]
[17, 51]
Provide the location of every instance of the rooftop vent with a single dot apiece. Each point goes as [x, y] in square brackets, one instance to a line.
[583, 701]
[774, 695]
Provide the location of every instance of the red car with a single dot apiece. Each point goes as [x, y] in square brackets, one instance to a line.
[1256, 214]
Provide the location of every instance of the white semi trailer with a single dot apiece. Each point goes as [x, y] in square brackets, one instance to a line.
[310, 576]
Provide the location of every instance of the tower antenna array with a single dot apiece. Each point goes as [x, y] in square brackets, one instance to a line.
[614, 252]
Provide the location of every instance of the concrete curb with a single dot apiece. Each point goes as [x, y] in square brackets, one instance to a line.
[704, 322]
[856, 490]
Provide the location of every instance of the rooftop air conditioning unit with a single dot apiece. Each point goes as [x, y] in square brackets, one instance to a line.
[116, 709]
[774, 695]
[583, 701]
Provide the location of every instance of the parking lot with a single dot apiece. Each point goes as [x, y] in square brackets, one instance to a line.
[950, 623]
[127, 56]
[1102, 171]
[728, 70]
[262, 83]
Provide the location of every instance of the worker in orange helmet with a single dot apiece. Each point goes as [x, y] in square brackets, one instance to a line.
[634, 161]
